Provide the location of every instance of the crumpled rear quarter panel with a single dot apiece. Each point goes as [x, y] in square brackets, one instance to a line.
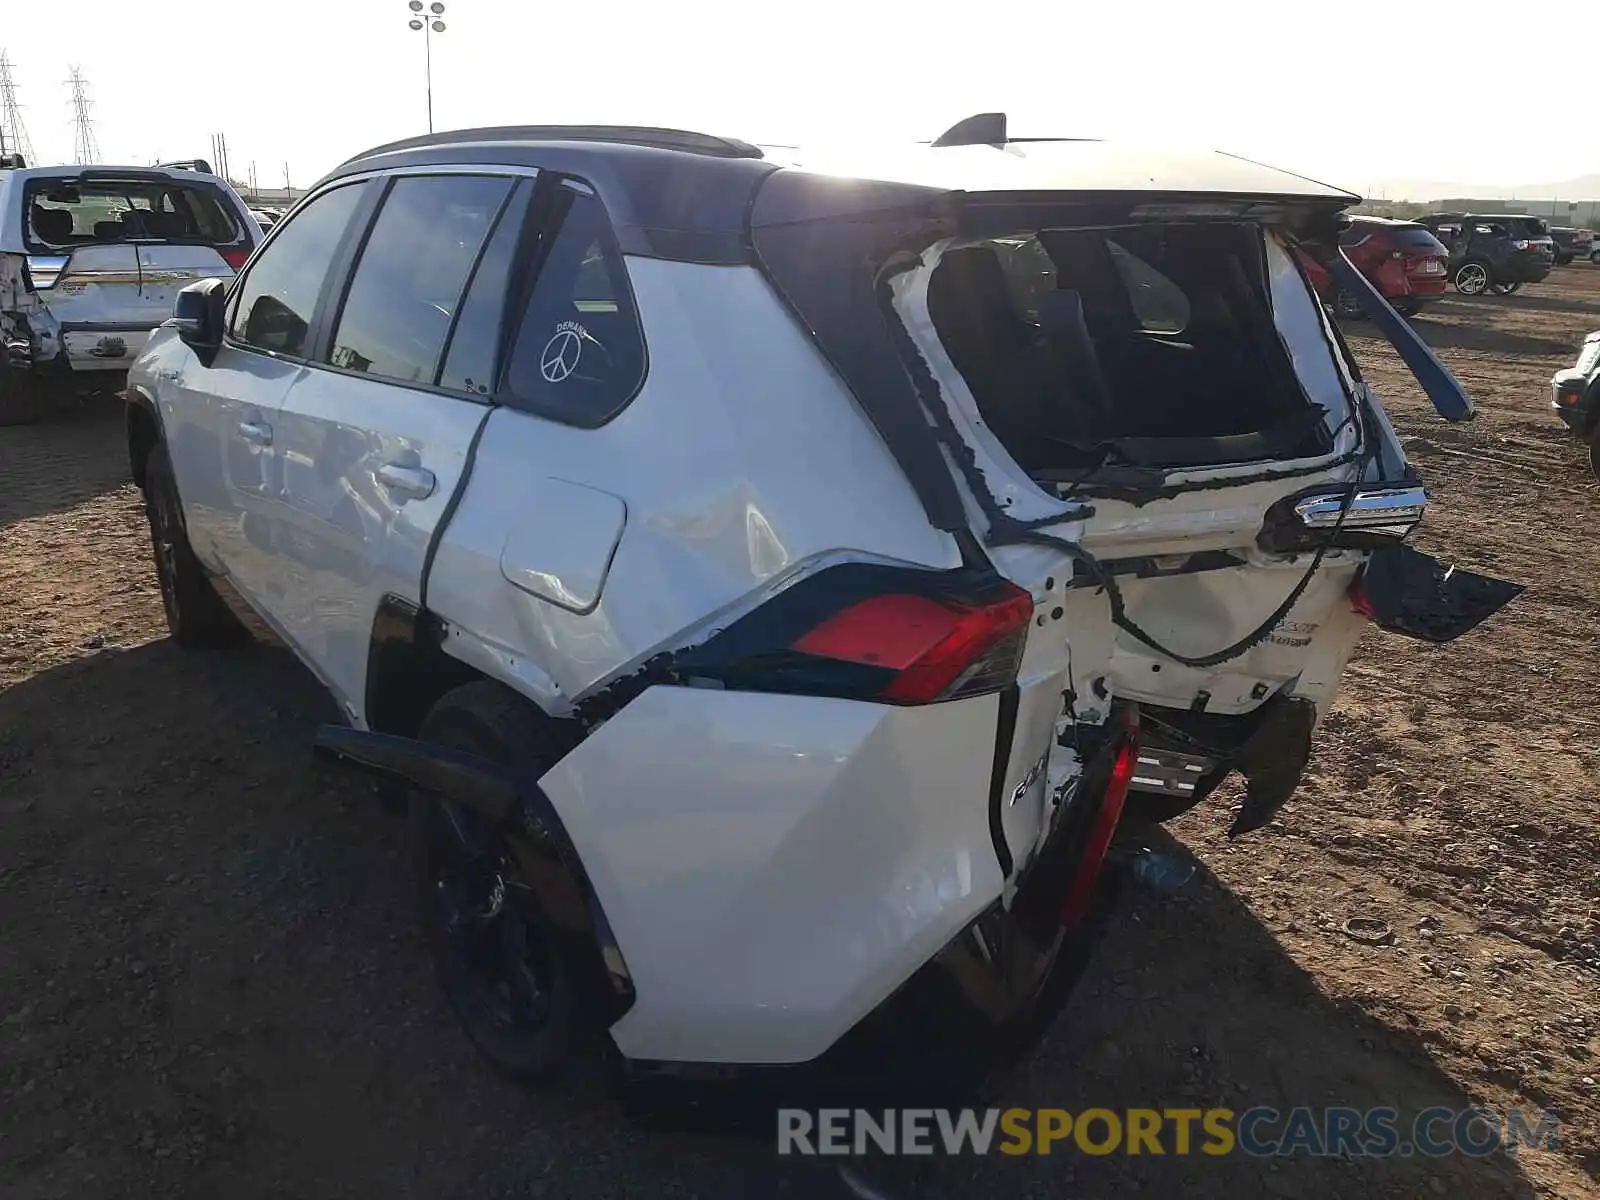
[774, 866]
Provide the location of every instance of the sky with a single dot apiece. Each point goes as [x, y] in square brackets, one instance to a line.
[1359, 95]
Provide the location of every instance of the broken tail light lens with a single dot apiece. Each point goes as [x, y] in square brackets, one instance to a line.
[1075, 905]
[1360, 601]
[869, 632]
[1371, 519]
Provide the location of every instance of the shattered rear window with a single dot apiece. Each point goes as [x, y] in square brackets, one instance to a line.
[68, 213]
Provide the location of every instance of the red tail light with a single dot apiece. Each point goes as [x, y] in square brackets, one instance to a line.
[1359, 599]
[870, 632]
[235, 256]
[1081, 890]
[938, 649]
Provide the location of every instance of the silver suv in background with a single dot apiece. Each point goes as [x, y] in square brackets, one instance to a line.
[91, 259]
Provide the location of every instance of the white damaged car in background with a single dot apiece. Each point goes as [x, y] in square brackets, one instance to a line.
[91, 260]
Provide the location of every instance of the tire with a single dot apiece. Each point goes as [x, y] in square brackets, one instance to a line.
[1407, 308]
[1346, 305]
[1594, 256]
[516, 997]
[196, 616]
[1594, 451]
[1564, 260]
[1504, 289]
[20, 399]
[1471, 278]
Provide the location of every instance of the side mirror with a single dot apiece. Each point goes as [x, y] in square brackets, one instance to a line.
[197, 316]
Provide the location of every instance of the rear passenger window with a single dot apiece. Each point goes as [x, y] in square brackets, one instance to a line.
[411, 274]
[278, 294]
[470, 364]
[1159, 305]
[579, 355]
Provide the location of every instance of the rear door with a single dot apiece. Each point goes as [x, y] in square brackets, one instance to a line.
[372, 441]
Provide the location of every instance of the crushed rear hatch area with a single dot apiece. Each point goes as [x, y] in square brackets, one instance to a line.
[1143, 346]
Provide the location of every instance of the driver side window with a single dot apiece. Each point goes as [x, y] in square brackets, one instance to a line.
[273, 305]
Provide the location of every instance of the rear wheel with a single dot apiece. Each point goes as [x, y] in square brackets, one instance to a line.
[1594, 451]
[1471, 279]
[495, 954]
[1407, 308]
[196, 616]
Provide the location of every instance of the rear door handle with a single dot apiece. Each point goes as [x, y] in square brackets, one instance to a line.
[257, 433]
[414, 483]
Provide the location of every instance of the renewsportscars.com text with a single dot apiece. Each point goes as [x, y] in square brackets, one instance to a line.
[1259, 1131]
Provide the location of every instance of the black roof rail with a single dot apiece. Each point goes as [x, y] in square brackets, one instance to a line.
[188, 164]
[626, 135]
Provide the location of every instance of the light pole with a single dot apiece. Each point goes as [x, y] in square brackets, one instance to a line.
[430, 24]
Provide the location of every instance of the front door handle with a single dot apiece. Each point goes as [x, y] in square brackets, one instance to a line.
[414, 483]
[257, 433]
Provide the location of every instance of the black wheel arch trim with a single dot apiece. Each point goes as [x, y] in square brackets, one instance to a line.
[135, 397]
[544, 851]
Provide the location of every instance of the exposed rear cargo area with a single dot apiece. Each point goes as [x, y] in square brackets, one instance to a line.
[1149, 345]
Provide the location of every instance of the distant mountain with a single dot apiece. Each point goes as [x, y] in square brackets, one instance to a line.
[1584, 187]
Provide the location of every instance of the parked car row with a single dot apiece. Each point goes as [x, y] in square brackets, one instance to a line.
[1410, 262]
[1573, 244]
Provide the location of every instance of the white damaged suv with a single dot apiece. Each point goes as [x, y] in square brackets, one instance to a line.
[775, 576]
[91, 259]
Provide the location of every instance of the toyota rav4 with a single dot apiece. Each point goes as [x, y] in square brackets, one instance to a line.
[774, 576]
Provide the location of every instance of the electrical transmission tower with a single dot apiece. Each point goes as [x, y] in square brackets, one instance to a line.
[13, 133]
[84, 148]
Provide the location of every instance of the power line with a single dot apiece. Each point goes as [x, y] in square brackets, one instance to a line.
[13, 132]
[84, 148]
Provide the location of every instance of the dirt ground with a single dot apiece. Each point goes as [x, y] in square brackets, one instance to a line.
[210, 984]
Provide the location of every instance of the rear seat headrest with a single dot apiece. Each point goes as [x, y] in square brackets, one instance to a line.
[54, 225]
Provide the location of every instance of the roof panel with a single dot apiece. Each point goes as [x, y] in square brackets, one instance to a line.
[1086, 166]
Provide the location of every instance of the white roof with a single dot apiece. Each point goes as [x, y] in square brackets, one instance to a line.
[1073, 166]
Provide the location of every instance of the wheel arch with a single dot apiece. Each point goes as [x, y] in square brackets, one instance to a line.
[407, 668]
[144, 430]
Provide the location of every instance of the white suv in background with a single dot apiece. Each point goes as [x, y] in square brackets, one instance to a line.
[773, 576]
[91, 259]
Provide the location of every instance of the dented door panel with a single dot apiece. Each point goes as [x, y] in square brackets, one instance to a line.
[94, 309]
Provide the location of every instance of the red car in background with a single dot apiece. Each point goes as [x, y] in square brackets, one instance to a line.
[1405, 262]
